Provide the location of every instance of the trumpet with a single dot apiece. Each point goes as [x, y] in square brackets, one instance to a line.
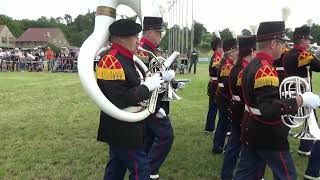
[290, 88]
[159, 65]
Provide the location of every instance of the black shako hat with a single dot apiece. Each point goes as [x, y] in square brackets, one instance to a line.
[302, 32]
[271, 30]
[230, 44]
[124, 27]
[152, 23]
[247, 44]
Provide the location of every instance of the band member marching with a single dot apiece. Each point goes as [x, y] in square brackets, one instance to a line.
[247, 45]
[223, 96]
[263, 133]
[216, 46]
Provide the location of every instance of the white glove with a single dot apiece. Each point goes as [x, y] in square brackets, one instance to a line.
[181, 85]
[168, 75]
[161, 113]
[310, 100]
[153, 82]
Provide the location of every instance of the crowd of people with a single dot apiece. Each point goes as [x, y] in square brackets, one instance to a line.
[34, 60]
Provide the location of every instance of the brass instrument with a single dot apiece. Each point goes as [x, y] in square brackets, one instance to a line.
[290, 88]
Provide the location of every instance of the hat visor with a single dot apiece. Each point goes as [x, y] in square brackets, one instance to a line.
[285, 38]
[310, 37]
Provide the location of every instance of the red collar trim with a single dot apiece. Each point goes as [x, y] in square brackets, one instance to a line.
[245, 62]
[216, 54]
[229, 61]
[299, 47]
[148, 43]
[265, 56]
[123, 51]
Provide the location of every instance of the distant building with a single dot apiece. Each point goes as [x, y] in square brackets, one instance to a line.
[35, 37]
[7, 39]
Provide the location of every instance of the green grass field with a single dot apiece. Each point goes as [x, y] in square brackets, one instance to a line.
[48, 129]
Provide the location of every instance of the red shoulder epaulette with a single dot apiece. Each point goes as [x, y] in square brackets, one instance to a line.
[305, 57]
[266, 76]
[109, 67]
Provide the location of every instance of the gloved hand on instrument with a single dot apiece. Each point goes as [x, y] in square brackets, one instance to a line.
[181, 85]
[168, 75]
[310, 100]
[153, 82]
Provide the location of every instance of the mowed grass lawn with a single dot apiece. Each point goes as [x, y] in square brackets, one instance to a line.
[48, 129]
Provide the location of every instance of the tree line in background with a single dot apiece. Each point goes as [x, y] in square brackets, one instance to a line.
[78, 29]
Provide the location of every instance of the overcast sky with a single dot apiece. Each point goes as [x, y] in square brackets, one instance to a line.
[235, 14]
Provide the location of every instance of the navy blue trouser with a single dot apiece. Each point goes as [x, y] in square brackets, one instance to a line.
[121, 159]
[313, 168]
[158, 141]
[280, 162]
[194, 64]
[222, 127]
[306, 145]
[232, 154]
[211, 116]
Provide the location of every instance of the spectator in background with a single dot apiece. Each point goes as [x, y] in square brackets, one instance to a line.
[1, 58]
[50, 58]
[18, 55]
[193, 62]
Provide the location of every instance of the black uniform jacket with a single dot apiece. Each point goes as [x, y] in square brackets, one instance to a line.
[237, 103]
[120, 83]
[296, 60]
[260, 86]
[223, 96]
[213, 73]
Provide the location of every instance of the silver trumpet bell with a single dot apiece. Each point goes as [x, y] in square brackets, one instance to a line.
[160, 64]
[170, 94]
[290, 88]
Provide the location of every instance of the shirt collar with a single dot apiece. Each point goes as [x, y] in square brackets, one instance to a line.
[121, 50]
[217, 54]
[148, 43]
[229, 61]
[263, 55]
[299, 47]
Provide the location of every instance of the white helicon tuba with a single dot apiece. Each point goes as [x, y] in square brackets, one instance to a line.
[105, 16]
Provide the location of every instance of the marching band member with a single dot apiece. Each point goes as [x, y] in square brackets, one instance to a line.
[120, 82]
[159, 130]
[247, 45]
[263, 134]
[223, 96]
[295, 63]
[216, 46]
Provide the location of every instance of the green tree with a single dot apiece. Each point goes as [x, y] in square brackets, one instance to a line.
[226, 34]
[199, 30]
[68, 18]
[315, 31]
